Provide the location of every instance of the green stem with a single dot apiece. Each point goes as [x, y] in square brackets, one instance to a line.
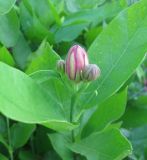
[32, 144]
[72, 132]
[9, 139]
[71, 118]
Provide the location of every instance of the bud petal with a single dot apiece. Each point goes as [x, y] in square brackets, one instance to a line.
[61, 65]
[75, 63]
[91, 72]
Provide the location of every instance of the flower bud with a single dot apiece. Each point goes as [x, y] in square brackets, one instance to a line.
[61, 65]
[91, 72]
[75, 63]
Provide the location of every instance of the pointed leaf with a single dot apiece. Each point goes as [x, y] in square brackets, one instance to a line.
[118, 50]
[20, 134]
[107, 112]
[109, 144]
[9, 28]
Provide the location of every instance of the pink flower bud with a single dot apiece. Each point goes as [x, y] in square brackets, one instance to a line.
[75, 63]
[91, 72]
[61, 65]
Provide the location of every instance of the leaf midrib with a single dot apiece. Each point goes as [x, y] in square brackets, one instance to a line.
[115, 64]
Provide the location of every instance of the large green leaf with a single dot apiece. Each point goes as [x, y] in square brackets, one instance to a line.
[109, 144]
[9, 28]
[5, 6]
[107, 112]
[29, 103]
[118, 50]
[20, 134]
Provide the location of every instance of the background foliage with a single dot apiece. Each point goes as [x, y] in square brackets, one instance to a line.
[42, 115]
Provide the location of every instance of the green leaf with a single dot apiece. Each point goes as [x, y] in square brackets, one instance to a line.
[21, 51]
[31, 24]
[71, 6]
[42, 145]
[89, 4]
[47, 11]
[3, 141]
[44, 75]
[29, 103]
[109, 144]
[2, 157]
[77, 5]
[9, 28]
[109, 111]
[138, 138]
[135, 114]
[6, 57]
[3, 126]
[92, 34]
[97, 15]
[54, 12]
[60, 142]
[46, 58]
[20, 134]
[52, 82]
[52, 155]
[26, 155]
[80, 20]
[118, 50]
[5, 6]
[64, 32]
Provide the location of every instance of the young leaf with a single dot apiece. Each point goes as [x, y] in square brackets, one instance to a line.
[6, 57]
[109, 144]
[46, 58]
